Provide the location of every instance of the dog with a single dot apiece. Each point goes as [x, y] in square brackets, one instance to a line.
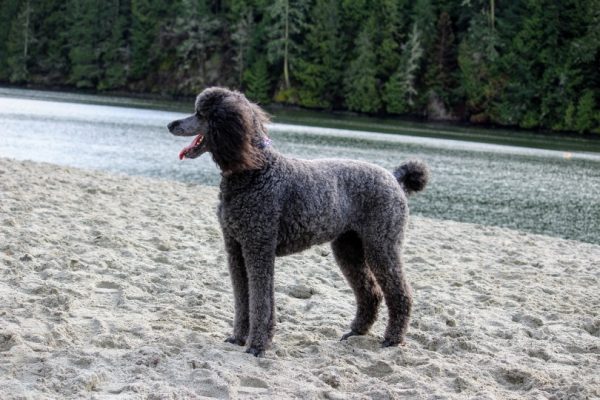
[272, 205]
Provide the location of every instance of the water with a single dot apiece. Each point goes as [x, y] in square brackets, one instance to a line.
[538, 190]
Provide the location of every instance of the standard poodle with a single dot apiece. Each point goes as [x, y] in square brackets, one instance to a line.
[272, 205]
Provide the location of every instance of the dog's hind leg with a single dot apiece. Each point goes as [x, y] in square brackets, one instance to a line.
[386, 264]
[349, 254]
[239, 281]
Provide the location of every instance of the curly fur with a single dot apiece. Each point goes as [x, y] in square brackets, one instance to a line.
[272, 205]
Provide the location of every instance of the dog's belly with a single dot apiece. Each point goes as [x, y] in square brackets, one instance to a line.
[293, 239]
[286, 248]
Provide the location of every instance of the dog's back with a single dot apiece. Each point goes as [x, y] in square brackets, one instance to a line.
[325, 198]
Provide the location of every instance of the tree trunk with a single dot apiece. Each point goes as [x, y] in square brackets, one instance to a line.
[286, 73]
[26, 38]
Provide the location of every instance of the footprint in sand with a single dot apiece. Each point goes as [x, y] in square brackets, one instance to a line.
[109, 294]
[8, 341]
[528, 320]
[515, 379]
[253, 386]
[378, 369]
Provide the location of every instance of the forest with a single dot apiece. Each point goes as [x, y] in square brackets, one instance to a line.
[531, 64]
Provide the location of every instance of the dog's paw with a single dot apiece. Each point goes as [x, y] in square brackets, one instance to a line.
[255, 351]
[235, 340]
[347, 335]
[392, 342]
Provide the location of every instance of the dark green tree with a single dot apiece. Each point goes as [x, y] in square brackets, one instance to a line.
[144, 32]
[116, 51]
[360, 82]
[587, 114]
[400, 90]
[442, 64]
[242, 42]
[197, 31]
[9, 9]
[256, 82]
[83, 51]
[19, 44]
[287, 21]
[387, 25]
[479, 82]
[320, 70]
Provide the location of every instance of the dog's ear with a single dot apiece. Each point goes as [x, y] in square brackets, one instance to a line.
[231, 127]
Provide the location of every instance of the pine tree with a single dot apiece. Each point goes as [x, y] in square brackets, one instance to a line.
[51, 47]
[424, 17]
[115, 52]
[320, 70]
[400, 90]
[587, 114]
[242, 36]
[18, 46]
[442, 65]
[196, 29]
[360, 82]
[287, 22]
[478, 78]
[387, 25]
[9, 9]
[144, 28]
[83, 53]
[257, 83]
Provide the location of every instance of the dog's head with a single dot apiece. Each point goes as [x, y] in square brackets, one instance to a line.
[226, 125]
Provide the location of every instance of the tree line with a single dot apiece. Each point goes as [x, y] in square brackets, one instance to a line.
[525, 63]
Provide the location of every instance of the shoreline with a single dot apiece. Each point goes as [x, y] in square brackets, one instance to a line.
[116, 286]
[493, 134]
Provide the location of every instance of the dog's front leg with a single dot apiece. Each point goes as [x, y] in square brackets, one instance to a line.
[260, 262]
[239, 281]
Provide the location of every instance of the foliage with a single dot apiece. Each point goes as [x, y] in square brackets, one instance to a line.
[257, 82]
[400, 90]
[360, 83]
[19, 42]
[528, 63]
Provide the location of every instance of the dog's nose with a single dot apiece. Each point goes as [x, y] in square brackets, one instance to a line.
[173, 125]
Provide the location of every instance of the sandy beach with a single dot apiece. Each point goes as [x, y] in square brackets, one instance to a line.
[115, 287]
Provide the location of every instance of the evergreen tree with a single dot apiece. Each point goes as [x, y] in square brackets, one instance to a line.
[144, 29]
[424, 17]
[242, 37]
[442, 65]
[83, 55]
[400, 90]
[115, 55]
[257, 82]
[587, 115]
[386, 26]
[320, 70]
[19, 42]
[287, 20]
[9, 9]
[478, 79]
[197, 31]
[51, 47]
[360, 82]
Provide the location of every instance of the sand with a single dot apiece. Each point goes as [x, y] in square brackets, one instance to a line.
[116, 287]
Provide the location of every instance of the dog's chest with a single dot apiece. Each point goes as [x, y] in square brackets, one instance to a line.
[241, 215]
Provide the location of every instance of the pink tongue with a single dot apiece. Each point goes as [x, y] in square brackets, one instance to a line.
[195, 143]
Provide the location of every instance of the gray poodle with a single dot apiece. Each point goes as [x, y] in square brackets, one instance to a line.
[272, 205]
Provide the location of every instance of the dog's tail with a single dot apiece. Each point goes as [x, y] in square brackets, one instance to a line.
[412, 175]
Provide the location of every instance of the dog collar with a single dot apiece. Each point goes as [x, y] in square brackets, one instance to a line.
[265, 142]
